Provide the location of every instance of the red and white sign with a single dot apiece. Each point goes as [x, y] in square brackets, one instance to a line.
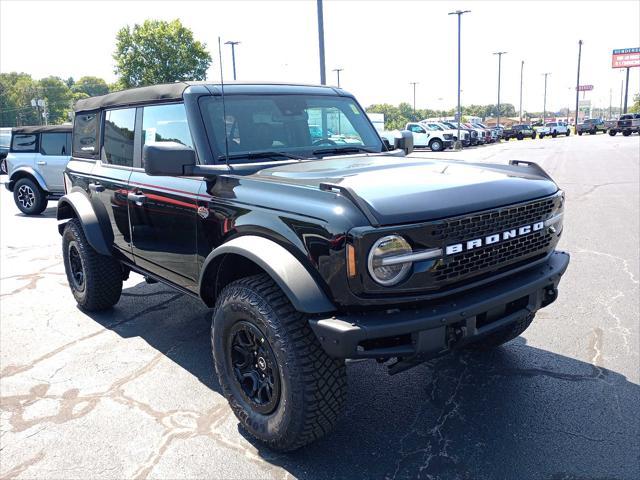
[626, 57]
[585, 88]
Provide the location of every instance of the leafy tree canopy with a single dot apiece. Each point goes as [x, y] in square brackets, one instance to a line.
[92, 86]
[159, 52]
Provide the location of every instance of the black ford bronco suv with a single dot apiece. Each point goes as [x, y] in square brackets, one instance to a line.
[313, 240]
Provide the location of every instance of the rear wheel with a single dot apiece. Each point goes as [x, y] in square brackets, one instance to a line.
[580, 133]
[503, 336]
[592, 132]
[612, 133]
[626, 133]
[29, 197]
[285, 390]
[95, 280]
[554, 134]
[568, 132]
[520, 136]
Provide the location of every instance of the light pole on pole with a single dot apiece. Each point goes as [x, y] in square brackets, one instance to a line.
[323, 76]
[499, 71]
[578, 84]
[459, 13]
[233, 55]
[544, 108]
[338, 70]
[414, 96]
[521, 70]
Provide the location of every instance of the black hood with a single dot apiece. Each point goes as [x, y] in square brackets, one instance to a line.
[400, 190]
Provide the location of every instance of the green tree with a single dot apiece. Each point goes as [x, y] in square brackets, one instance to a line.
[58, 97]
[92, 86]
[635, 108]
[16, 92]
[159, 52]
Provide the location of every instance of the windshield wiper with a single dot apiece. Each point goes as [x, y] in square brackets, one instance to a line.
[326, 151]
[259, 155]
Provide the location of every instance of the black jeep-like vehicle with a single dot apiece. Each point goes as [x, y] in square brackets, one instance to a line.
[520, 132]
[310, 248]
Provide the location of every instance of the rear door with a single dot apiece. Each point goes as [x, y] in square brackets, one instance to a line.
[55, 149]
[110, 176]
[163, 210]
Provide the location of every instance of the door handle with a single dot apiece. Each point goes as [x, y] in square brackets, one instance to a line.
[96, 187]
[138, 199]
[41, 162]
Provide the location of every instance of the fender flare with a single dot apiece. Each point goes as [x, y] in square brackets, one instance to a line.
[77, 204]
[30, 171]
[285, 269]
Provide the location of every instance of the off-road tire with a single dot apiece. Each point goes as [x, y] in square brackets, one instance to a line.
[626, 133]
[102, 275]
[503, 336]
[312, 385]
[29, 197]
[612, 133]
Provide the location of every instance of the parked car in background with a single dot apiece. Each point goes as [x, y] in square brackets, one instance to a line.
[627, 124]
[464, 135]
[591, 126]
[5, 142]
[519, 132]
[611, 123]
[488, 136]
[35, 164]
[429, 137]
[483, 134]
[554, 129]
[473, 134]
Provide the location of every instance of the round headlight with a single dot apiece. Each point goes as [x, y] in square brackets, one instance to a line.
[390, 246]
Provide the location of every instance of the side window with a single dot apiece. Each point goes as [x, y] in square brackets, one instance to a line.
[85, 134]
[24, 143]
[165, 123]
[118, 136]
[53, 144]
[416, 129]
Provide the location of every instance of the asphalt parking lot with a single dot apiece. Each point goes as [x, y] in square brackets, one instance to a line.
[131, 393]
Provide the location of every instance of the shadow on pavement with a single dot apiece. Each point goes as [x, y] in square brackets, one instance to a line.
[517, 412]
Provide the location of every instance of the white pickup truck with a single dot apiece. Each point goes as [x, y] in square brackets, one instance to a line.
[426, 136]
[554, 129]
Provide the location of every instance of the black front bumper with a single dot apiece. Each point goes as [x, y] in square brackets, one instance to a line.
[454, 321]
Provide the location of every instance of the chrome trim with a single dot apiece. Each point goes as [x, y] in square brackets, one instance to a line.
[553, 220]
[401, 275]
[412, 257]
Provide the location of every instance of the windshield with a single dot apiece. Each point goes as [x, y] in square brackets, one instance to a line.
[299, 126]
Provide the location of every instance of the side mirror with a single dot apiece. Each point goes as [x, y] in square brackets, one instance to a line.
[168, 158]
[404, 141]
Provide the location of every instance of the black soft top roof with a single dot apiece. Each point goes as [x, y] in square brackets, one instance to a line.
[173, 91]
[42, 129]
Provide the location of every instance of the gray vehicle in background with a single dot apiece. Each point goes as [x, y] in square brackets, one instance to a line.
[5, 141]
[35, 164]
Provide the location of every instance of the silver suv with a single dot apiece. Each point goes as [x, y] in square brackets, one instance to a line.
[35, 163]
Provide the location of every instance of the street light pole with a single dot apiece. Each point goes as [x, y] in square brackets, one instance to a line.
[414, 96]
[459, 13]
[233, 55]
[521, 69]
[626, 91]
[499, 70]
[323, 76]
[338, 70]
[578, 84]
[544, 114]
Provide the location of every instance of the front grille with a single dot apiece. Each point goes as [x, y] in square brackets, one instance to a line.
[492, 258]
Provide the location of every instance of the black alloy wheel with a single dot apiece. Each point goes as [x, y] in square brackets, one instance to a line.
[255, 367]
[76, 267]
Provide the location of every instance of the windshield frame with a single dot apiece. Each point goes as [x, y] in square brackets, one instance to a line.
[304, 152]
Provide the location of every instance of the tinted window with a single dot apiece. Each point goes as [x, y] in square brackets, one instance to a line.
[118, 136]
[416, 129]
[5, 137]
[165, 123]
[24, 143]
[54, 144]
[85, 134]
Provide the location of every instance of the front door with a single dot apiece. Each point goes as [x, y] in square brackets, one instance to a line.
[163, 210]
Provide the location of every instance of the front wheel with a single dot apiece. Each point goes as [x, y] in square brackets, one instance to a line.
[592, 132]
[567, 133]
[554, 134]
[626, 133]
[580, 134]
[281, 385]
[95, 280]
[436, 145]
[504, 335]
[29, 197]
[541, 136]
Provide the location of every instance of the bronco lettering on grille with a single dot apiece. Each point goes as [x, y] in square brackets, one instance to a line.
[493, 238]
